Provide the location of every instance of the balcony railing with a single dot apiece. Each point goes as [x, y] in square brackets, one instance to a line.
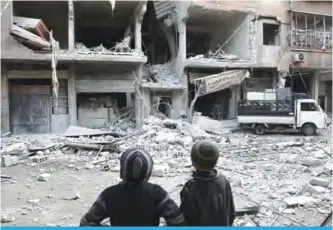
[310, 39]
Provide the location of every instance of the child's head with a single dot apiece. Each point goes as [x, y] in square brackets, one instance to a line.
[204, 155]
[135, 165]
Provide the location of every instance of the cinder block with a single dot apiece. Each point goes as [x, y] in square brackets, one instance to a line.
[39, 159]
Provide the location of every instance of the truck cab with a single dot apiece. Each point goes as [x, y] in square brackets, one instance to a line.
[309, 116]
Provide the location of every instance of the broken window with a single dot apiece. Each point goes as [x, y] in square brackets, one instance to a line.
[271, 34]
[311, 31]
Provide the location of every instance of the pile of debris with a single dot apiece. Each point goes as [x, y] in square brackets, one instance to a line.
[120, 48]
[163, 75]
[32, 33]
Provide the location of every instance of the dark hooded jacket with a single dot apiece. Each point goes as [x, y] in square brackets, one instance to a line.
[127, 204]
[206, 200]
[134, 201]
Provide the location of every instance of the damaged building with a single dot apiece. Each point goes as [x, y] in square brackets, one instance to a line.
[92, 62]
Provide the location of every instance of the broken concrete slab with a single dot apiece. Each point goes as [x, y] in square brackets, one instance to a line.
[33, 25]
[308, 188]
[312, 162]
[319, 182]
[29, 39]
[320, 154]
[7, 217]
[75, 131]
[44, 177]
[207, 124]
[160, 170]
[16, 149]
[299, 200]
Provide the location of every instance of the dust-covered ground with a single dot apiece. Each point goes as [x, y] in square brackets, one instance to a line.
[275, 171]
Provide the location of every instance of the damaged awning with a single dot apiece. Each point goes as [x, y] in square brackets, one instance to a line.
[221, 81]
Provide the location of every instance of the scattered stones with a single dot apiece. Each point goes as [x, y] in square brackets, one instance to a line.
[44, 177]
[34, 201]
[16, 149]
[319, 182]
[76, 196]
[6, 217]
[299, 200]
[160, 170]
[311, 161]
[7, 160]
[289, 211]
[89, 166]
[320, 154]
[272, 196]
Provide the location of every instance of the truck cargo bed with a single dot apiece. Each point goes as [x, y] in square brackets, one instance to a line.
[265, 108]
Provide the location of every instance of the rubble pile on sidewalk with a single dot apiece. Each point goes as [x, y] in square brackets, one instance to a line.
[281, 174]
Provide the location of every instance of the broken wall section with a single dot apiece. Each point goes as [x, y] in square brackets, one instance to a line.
[100, 29]
[105, 95]
[236, 34]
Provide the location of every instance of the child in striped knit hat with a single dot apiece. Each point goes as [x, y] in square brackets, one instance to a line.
[134, 201]
[206, 199]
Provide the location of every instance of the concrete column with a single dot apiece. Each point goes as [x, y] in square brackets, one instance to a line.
[5, 126]
[138, 42]
[232, 103]
[129, 100]
[72, 105]
[180, 98]
[71, 29]
[142, 100]
[315, 86]
[139, 13]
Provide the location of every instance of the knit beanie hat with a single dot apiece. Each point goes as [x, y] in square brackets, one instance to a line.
[204, 155]
[135, 165]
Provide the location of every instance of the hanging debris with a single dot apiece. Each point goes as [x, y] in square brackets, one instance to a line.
[55, 82]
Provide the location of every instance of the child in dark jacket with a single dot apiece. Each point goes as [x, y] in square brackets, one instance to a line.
[206, 199]
[134, 201]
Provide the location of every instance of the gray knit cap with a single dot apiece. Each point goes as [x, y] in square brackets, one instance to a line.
[204, 155]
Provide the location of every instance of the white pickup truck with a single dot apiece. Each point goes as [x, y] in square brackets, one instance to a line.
[304, 115]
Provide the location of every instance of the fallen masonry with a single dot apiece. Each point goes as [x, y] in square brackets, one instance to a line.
[277, 171]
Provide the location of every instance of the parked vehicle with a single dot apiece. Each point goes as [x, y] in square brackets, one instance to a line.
[304, 115]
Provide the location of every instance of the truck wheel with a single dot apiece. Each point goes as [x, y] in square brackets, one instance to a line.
[259, 129]
[309, 129]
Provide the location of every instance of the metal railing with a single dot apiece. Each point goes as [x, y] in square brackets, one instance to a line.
[310, 39]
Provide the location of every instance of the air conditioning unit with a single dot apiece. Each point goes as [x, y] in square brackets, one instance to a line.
[298, 57]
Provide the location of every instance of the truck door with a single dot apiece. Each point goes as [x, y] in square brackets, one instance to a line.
[309, 112]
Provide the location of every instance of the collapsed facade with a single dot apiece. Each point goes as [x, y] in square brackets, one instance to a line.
[107, 64]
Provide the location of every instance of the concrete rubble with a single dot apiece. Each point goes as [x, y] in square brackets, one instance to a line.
[276, 171]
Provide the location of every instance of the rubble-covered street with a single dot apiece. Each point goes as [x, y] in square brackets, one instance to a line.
[53, 180]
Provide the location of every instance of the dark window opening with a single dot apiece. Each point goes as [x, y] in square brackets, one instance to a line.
[99, 29]
[158, 39]
[271, 34]
[299, 84]
[308, 107]
[197, 43]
